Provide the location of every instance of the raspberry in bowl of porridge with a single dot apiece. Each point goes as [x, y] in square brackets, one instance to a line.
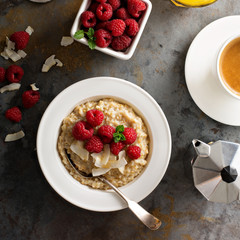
[118, 130]
[107, 138]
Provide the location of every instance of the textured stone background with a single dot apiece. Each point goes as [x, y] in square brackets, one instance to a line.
[29, 207]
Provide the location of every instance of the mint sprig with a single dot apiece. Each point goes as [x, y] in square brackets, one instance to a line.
[90, 34]
[118, 136]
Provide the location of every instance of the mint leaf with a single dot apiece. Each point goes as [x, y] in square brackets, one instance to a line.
[123, 138]
[79, 34]
[90, 33]
[120, 128]
[118, 137]
[91, 44]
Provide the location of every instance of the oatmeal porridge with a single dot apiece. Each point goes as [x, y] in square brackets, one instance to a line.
[119, 165]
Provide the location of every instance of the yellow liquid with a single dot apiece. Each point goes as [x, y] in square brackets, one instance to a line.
[192, 3]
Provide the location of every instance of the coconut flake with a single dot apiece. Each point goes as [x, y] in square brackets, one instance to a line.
[4, 55]
[12, 54]
[34, 87]
[10, 44]
[59, 63]
[122, 159]
[78, 148]
[10, 87]
[99, 171]
[14, 136]
[66, 41]
[21, 53]
[29, 30]
[101, 159]
[49, 63]
[15, 57]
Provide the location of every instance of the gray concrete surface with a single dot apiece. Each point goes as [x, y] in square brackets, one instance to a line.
[29, 207]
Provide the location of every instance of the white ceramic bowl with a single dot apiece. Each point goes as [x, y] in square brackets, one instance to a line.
[121, 55]
[224, 84]
[94, 89]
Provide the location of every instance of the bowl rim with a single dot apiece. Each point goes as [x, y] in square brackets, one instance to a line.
[120, 55]
[56, 174]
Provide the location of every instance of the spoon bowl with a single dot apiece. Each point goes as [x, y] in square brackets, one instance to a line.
[145, 217]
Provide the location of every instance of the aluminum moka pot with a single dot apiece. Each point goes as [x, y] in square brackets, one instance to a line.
[216, 170]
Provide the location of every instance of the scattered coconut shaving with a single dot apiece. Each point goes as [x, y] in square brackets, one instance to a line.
[9, 50]
[51, 61]
[59, 63]
[21, 53]
[10, 44]
[10, 87]
[34, 87]
[66, 41]
[14, 136]
[29, 30]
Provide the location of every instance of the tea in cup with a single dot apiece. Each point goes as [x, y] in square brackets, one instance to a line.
[228, 66]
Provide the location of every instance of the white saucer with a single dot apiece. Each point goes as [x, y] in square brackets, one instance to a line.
[201, 76]
[92, 89]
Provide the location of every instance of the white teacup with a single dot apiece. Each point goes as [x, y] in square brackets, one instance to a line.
[220, 77]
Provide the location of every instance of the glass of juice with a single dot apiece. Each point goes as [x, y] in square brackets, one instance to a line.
[192, 3]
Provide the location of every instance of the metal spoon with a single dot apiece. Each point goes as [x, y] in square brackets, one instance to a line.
[145, 217]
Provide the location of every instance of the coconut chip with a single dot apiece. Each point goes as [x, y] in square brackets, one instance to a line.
[34, 87]
[59, 63]
[12, 54]
[21, 53]
[10, 87]
[29, 30]
[10, 44]
[14, 136]
[51, 61]
[66, 41]
[105, 161]
[78, 148]
[4, 55]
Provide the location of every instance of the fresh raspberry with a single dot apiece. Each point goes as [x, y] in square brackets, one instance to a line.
[103, 38]
[88, 19]
[122, 13]
[2, 74]
[21, 39]
[30, 98]
[14, 114]
[93, 7]
[101, 25]
[134, 152]
[104, 11]
[121, 43]
[116, 147]
[116, 27]
[136, 7]
[94, 117]
[94, 144]
[14, 73]
[82, 131]
[115, 4]
[101, 1]
[131, 27]
[130, 135]
[106, 132]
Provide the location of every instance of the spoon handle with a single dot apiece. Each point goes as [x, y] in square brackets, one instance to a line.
[145, 217]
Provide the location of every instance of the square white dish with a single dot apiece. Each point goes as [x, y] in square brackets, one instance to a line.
[121, 55]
